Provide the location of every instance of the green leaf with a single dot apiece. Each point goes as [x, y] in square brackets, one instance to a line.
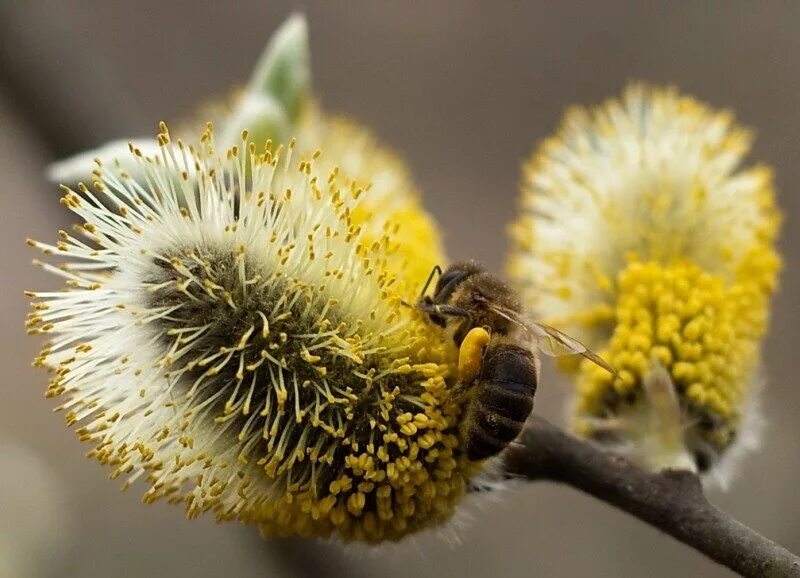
[283, 71]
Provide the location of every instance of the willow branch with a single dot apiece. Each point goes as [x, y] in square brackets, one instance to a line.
[672, 501]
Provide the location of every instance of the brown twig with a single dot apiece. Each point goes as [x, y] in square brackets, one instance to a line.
[672, 501]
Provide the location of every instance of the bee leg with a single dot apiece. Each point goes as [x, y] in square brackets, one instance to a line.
[460, 391]
[426, 305]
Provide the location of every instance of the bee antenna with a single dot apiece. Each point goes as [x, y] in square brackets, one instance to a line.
[435, 271]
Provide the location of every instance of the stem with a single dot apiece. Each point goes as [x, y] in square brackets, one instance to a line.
[672, 501]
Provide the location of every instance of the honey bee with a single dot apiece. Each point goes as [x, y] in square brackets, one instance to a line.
[498, 365]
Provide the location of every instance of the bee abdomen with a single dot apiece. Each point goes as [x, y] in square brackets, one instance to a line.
[511, 400]
[482, 445]
[502, 403]
[496, 419]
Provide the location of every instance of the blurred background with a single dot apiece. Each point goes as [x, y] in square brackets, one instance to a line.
[463, 90]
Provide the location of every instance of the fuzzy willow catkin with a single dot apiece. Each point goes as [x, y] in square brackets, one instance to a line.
[642, 232]
[233, 333]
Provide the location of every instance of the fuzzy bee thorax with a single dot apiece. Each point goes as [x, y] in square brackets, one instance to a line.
[477, 292]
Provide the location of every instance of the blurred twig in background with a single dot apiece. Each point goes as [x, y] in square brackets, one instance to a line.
[672, 501]
[303, 557]
[67, 91]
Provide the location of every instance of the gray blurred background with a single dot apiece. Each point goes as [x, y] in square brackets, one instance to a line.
[463, 90]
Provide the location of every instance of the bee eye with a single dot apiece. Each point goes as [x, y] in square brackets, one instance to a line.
[448, 277]
[439, 320]
[448, 282]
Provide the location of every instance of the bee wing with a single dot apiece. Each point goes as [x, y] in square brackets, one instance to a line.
[554, 343]
[550, 340]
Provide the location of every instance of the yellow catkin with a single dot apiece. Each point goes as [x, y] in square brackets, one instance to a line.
[250, 354]
[361, 161]
[393, 204]
[704, 331]
[643, 233]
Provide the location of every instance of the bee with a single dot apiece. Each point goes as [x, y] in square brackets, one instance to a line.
[498, 365]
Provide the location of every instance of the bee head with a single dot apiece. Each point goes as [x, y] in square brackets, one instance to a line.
[449, 280]
[453, 277]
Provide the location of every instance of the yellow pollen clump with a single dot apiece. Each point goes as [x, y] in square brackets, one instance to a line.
[703, 330]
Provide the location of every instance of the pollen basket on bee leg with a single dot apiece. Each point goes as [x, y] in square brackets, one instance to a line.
[470, 355]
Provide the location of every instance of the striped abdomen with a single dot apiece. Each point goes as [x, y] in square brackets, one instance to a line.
[502, 402]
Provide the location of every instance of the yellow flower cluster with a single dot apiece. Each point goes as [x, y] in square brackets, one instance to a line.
[256, 357]
[393, 203]
[704, 331]
[642, 234]
[232, 334]
[403, 475]
[362, 161]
